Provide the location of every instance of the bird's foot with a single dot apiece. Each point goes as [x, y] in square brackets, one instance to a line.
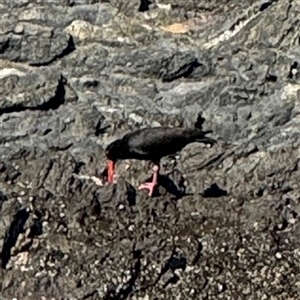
[151, 185]
[148, 186]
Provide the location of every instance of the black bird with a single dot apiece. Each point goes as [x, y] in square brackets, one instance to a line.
[152, 144]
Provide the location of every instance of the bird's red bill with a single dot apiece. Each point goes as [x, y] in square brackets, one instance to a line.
[110, 171]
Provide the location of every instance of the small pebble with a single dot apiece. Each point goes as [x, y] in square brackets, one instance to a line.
[19, 29]
[220, 287]
[294, 71]
[292, 221]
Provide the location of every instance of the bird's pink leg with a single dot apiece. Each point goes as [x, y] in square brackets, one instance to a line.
[151, 185]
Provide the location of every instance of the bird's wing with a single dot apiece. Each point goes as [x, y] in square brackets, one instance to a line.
[155, 140]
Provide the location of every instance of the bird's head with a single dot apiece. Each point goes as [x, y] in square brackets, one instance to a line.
[112, 153]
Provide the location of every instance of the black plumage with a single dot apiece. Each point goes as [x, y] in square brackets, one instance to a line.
[153, 143]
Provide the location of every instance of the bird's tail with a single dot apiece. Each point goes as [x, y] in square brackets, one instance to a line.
[201, 138]
[206, 132]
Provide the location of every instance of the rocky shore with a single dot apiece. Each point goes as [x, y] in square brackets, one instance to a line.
[76, 74]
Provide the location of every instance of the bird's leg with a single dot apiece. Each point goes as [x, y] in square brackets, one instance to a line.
[112, 177]
[111, 171]
[151, 185]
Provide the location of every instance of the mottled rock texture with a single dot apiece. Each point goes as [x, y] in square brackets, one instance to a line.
[76, 74]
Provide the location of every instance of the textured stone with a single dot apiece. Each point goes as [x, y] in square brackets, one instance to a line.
[224, 223]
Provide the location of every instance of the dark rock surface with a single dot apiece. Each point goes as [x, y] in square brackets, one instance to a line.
[76, 74]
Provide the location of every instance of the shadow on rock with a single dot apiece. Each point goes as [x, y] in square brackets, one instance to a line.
[214, 192]
[170, 186]
[11, 237]
[178, 190]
